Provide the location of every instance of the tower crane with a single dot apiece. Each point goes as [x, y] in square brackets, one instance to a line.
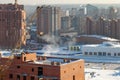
[31, 18]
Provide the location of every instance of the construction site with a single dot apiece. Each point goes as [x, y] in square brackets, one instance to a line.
[27, 66]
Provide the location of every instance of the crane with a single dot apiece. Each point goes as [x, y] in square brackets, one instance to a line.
[31, 18]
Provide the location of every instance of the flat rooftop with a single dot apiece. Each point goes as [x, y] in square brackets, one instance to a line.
[100, 37]
[56, 61]
[105, 44]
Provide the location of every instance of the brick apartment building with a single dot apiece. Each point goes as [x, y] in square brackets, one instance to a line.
[26, 66]
[12, 25]
[48, 20]
[103, 26]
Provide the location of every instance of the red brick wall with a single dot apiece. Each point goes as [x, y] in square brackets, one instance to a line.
[63, 71]
[73, 68]
[29, 56]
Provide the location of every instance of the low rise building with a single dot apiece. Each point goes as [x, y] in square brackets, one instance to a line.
[94, 39]
[104, 49]
[27, 66]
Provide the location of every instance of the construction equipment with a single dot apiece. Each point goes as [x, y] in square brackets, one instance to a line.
[31, 18]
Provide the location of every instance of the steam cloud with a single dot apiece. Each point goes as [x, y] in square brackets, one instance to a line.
[54, 46]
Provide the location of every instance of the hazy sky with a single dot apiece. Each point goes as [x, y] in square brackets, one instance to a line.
[34, 2]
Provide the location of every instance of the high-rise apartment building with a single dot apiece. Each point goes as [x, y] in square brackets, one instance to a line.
[91, 11]
[48, 20]
[90, 26]
[73, 11]
[65, 22]
[101, 26]
[112, 13]
[113, 28]
[12, 25]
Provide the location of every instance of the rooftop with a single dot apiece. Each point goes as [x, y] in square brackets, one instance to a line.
[56, 61]
[105, 44]
[100, 37]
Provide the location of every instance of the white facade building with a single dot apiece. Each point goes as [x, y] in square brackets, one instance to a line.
[105, 49]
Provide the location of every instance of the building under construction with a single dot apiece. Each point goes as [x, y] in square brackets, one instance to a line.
[12, 25]
[28, 66]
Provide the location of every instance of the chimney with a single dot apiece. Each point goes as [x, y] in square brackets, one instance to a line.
[44, 58]
[66, 60]
[58, 63]
[40, 58]
[53, 63]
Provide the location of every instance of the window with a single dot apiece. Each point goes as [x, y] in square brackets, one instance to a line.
[86, 53]
[40, 71]
[75, 48]
[118, 54]
[90, 53]
[64, 71]
[78, 49]
[114, 54]
[80, 67]
[18, 57]
[72, 48]
[73, 77]
[95, 53]
[18, 77]
[24, 58]
[32, 69]
[104, 53]
[10, 76]
[18, 67]
[109, 54]
[73, 68]
[32, 78]
[100, 53]
[24, 78]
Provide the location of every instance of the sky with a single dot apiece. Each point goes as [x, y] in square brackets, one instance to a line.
[36, 2]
